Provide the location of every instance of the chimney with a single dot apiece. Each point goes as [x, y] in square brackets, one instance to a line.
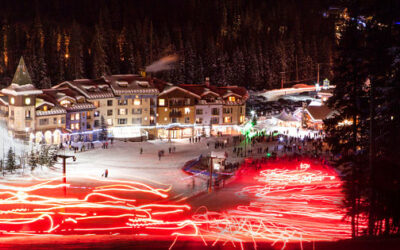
[207, 82]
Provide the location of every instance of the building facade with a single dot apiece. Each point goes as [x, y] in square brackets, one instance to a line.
[127, 106]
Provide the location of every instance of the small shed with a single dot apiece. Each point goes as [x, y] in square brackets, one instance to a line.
[218, 160]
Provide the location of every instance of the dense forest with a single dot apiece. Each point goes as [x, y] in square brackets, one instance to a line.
[367, 93]
[245, 42]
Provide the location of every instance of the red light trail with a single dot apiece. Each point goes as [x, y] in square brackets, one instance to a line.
[290, 202]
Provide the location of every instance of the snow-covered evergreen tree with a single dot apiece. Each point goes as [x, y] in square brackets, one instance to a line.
[33, 160]
[11, 163]
[99, 62]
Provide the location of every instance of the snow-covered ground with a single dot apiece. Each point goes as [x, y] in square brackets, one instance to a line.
[7, 142]
[124, 162]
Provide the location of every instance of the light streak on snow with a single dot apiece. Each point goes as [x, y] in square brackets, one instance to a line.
[289, 203]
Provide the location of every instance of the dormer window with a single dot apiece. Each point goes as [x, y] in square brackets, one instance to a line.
[12, 100]
[143, 84]
[45, 108]
[231, 98]
[65, 103]
[27, 101]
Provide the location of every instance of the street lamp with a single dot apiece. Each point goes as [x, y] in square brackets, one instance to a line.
[211, 169]
[64, 158]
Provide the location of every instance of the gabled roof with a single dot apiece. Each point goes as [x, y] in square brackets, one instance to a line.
[319, 113]
[56, 95]
[90, 88]
[283, 116]
[21, 76]
[48, 99]
[169, 89]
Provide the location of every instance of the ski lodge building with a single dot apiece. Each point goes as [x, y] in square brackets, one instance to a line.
[127, 106]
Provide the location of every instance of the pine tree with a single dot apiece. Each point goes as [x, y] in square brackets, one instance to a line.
[33, 160]
[37, 63]
[43, 156]
[128, 64]
[75, 57]
[51, 156]
[99, 62]
[11, 164]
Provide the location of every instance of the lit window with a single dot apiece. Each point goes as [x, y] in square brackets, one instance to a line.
[45, 108]
[77, 126]
[165, 118]
[122, 111]
[72, 126]
[12, 100]
[227, 119]
[166, 109]
[96, 104]
[109, 122]
[241, 118]
[161, 102]
[65, 103]
[76, 116]
[187, 111]
[145, 118]
[27, 101]
[72, 118]
[136, 102]
[232, 99]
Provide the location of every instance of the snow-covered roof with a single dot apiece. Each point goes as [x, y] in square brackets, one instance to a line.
[319, 113]
[40, 102]
[283, 116]
[53, 111]
[131, 84]
[81, 106]
[16, 90]
[169, 89]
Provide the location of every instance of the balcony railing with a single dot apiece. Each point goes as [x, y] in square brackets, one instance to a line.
[175, 114]
[177, 103]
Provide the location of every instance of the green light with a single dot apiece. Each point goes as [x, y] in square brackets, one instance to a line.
[247, 128]
[268, 154]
